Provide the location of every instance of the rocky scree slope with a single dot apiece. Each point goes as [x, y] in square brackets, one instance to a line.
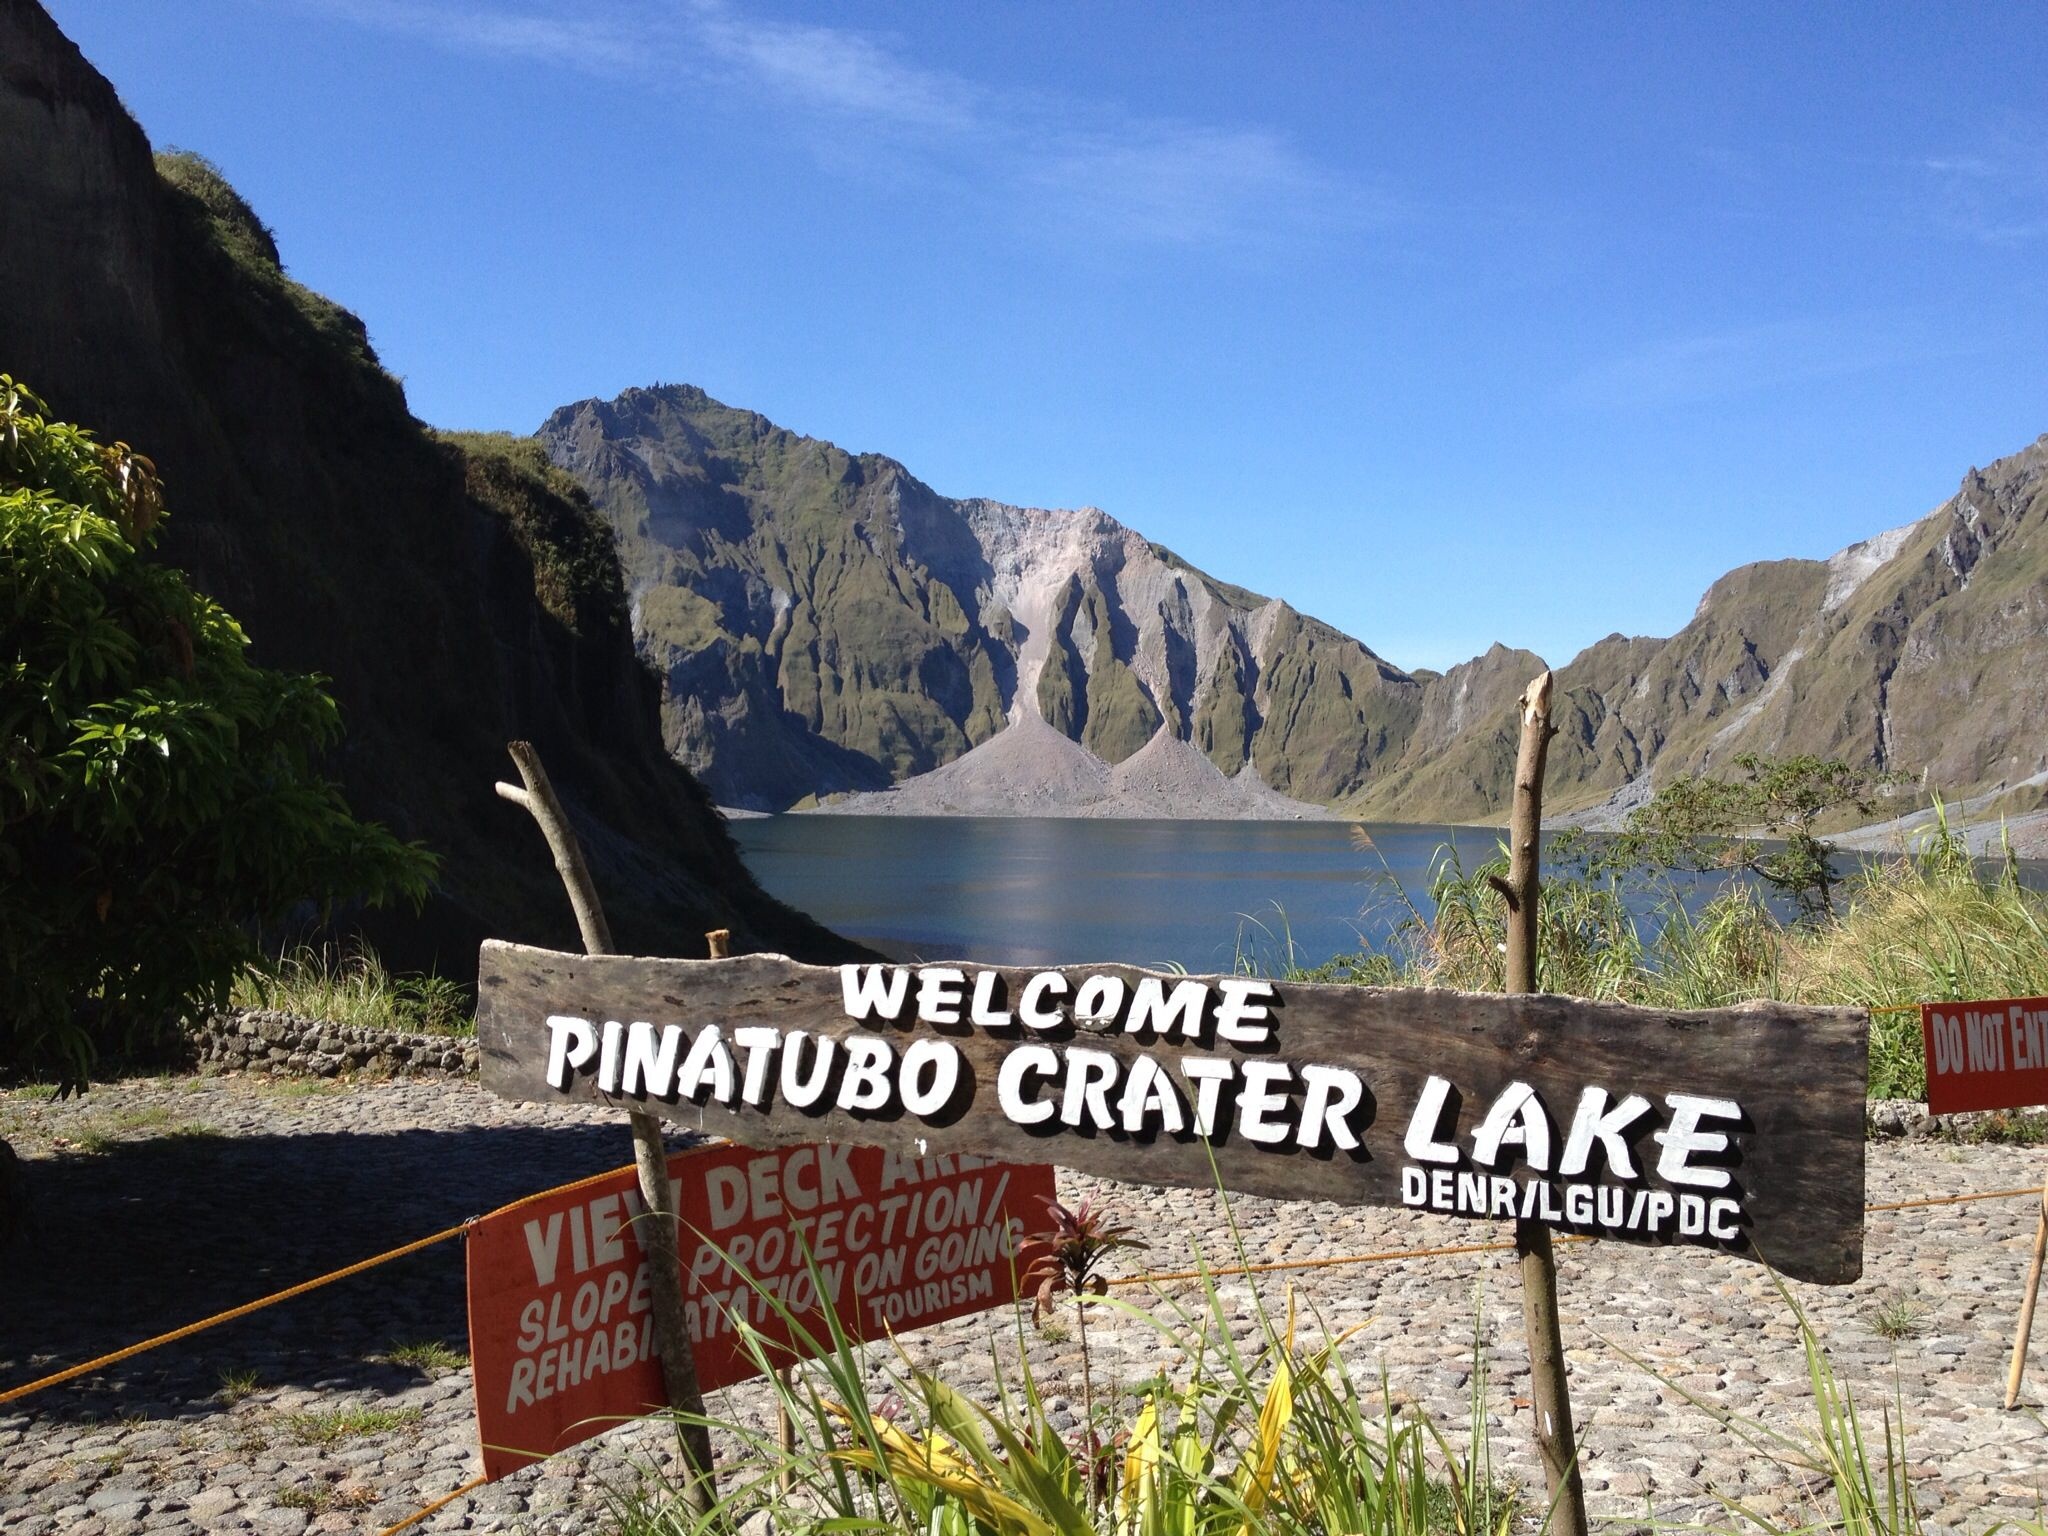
[827, 622]
[458, 594]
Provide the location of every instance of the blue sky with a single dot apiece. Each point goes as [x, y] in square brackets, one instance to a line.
[1448, 324]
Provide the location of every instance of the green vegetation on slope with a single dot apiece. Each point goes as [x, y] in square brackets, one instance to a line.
[575, 564]
[1102, 705]
[804, 645]
[1334, 713]
[1224, 717]
[842, 629]
[1927, 656]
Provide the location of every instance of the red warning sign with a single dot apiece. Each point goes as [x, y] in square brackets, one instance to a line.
[1986, 1055]
[561, 1324]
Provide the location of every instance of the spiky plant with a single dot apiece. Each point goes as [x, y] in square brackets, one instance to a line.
[1069, 1258]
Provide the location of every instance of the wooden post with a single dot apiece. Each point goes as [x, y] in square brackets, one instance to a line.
[1549, 1392]
[719, 943]
[650, 1155]
[2019, 1343]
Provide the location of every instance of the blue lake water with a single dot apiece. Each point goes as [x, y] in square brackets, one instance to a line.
[1029, 890]
[1033, 890]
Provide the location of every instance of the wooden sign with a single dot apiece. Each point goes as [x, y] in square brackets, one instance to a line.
[1990, 1055]
[1739, 1129]
[561, 1325]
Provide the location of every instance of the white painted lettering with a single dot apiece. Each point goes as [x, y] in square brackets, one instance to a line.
[941, 992]
[874, 991]
[1333, 1093]
[1156, 1011]
[866, 1085]
[1426, 1124]
[1031, 1006]
[1516, 1119]
[1208, 1074]
[930, 1076]
[1595, 1122]
[1150, 1100]
[1086, 1100]
[1684, 1138]
[572, 1046]
[1037, 1061]
[1260, 1104]
[1242, 1014]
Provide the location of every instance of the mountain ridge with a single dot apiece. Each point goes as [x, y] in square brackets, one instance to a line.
[828, 612]
[828, 625]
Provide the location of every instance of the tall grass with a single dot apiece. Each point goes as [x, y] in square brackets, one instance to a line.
[352, 987]
[1928, 924]
[1275, 1435]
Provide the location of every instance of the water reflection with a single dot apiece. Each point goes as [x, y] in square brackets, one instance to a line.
[1030, 890]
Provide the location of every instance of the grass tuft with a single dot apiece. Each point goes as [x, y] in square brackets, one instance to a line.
[335, 1425]
[1896, 1316]
[352, 988]
[427, 1355]
[236, 1385]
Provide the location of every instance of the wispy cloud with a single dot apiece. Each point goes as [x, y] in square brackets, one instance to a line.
[1996, 196]
[1704, 365]
[1087, 169]
[582, 42]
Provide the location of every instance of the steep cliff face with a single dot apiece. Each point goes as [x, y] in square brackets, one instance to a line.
[827, 622]
[1922, 651]
[459, 596]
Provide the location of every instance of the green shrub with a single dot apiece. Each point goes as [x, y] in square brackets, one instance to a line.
[1931, 924]
[158, 793]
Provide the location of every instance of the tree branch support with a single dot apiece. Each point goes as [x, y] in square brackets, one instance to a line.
[661, 1244]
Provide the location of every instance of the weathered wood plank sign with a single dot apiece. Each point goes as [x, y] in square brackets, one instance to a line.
[1739, 1129]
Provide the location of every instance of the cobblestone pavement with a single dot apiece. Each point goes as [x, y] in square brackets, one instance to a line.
[160, 1201]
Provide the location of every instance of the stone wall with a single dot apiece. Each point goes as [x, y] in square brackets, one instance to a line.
[1908, 1120]
[264, 1040]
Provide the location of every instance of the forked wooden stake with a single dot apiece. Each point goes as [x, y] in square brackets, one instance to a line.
[650, 1156]
[1549, 1393]
[2019, 1343]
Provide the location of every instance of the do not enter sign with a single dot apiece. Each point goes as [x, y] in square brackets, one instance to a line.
[1990, 1055]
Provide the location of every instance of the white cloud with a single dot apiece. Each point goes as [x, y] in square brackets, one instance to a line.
[1704, 365]
[1998, 196]
[1091, 170]
[583, 42]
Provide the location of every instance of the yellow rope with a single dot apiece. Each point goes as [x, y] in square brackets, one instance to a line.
[1325, 1263]
[73, 1372]
[1990, 1194]
[1165, 1277]
[418, 1515]
[228, 1316]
